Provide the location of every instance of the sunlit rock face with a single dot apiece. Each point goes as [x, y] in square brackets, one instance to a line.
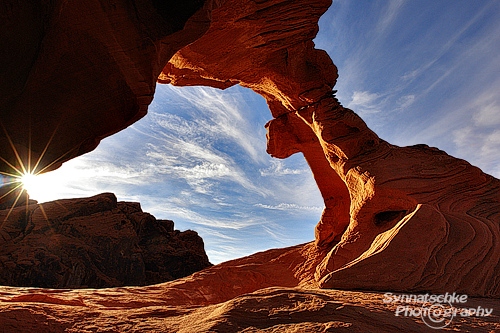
[72, 73]
[395, 218]
[93, 242]
[256, 294]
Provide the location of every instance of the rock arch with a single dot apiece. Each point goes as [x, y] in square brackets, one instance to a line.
[429, 219]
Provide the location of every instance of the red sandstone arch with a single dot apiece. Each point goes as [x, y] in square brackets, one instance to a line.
[429, 219]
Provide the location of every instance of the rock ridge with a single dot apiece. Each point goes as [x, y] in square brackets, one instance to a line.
[94, 242]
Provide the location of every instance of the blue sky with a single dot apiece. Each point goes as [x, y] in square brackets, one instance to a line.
[415, 71]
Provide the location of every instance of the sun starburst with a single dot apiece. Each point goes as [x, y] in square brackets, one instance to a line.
[19, 177]
[28, 181]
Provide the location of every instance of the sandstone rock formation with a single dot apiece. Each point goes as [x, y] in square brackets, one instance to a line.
[93, 242]
[258, 293]
[431, 220]
[396, 218]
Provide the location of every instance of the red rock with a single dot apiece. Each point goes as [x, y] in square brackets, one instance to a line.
[431, 220]
[396, 218]
[93, 242]
[222, 298]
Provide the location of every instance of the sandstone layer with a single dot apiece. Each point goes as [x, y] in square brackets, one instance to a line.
[259, 293]
[93, 242]
[395, 218]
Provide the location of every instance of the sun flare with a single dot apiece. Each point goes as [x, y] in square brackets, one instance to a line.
[46, 186]
[29, 182]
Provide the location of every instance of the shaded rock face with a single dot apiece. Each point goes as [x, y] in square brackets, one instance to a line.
[93, 242]
[395, 218]
[72, 73]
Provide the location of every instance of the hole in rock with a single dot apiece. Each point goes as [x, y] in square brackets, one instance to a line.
[383, 218]
[199, 158]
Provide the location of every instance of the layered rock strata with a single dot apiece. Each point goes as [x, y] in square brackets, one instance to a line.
[93, 242]
[258, 293]
[395, 218]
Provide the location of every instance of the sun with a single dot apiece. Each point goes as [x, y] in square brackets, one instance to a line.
[44, 187]
[27, 174]
[29, 182]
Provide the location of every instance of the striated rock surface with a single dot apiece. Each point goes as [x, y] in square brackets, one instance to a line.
[259, 293]
[395, 218]
[93, 242]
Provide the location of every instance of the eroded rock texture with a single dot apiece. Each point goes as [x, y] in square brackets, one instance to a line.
[395, 218]
[258, 293]
[93, 242]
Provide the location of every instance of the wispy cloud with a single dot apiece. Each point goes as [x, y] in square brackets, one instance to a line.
[405, 101]
[188, 214]
[278, 168]
[199, 159]
[189, 146]
[389, 15]
[478, 138]
[221, 115]
[446, 47]
[200, 167]
[365, 102]
[86, 177]
[486, 109]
